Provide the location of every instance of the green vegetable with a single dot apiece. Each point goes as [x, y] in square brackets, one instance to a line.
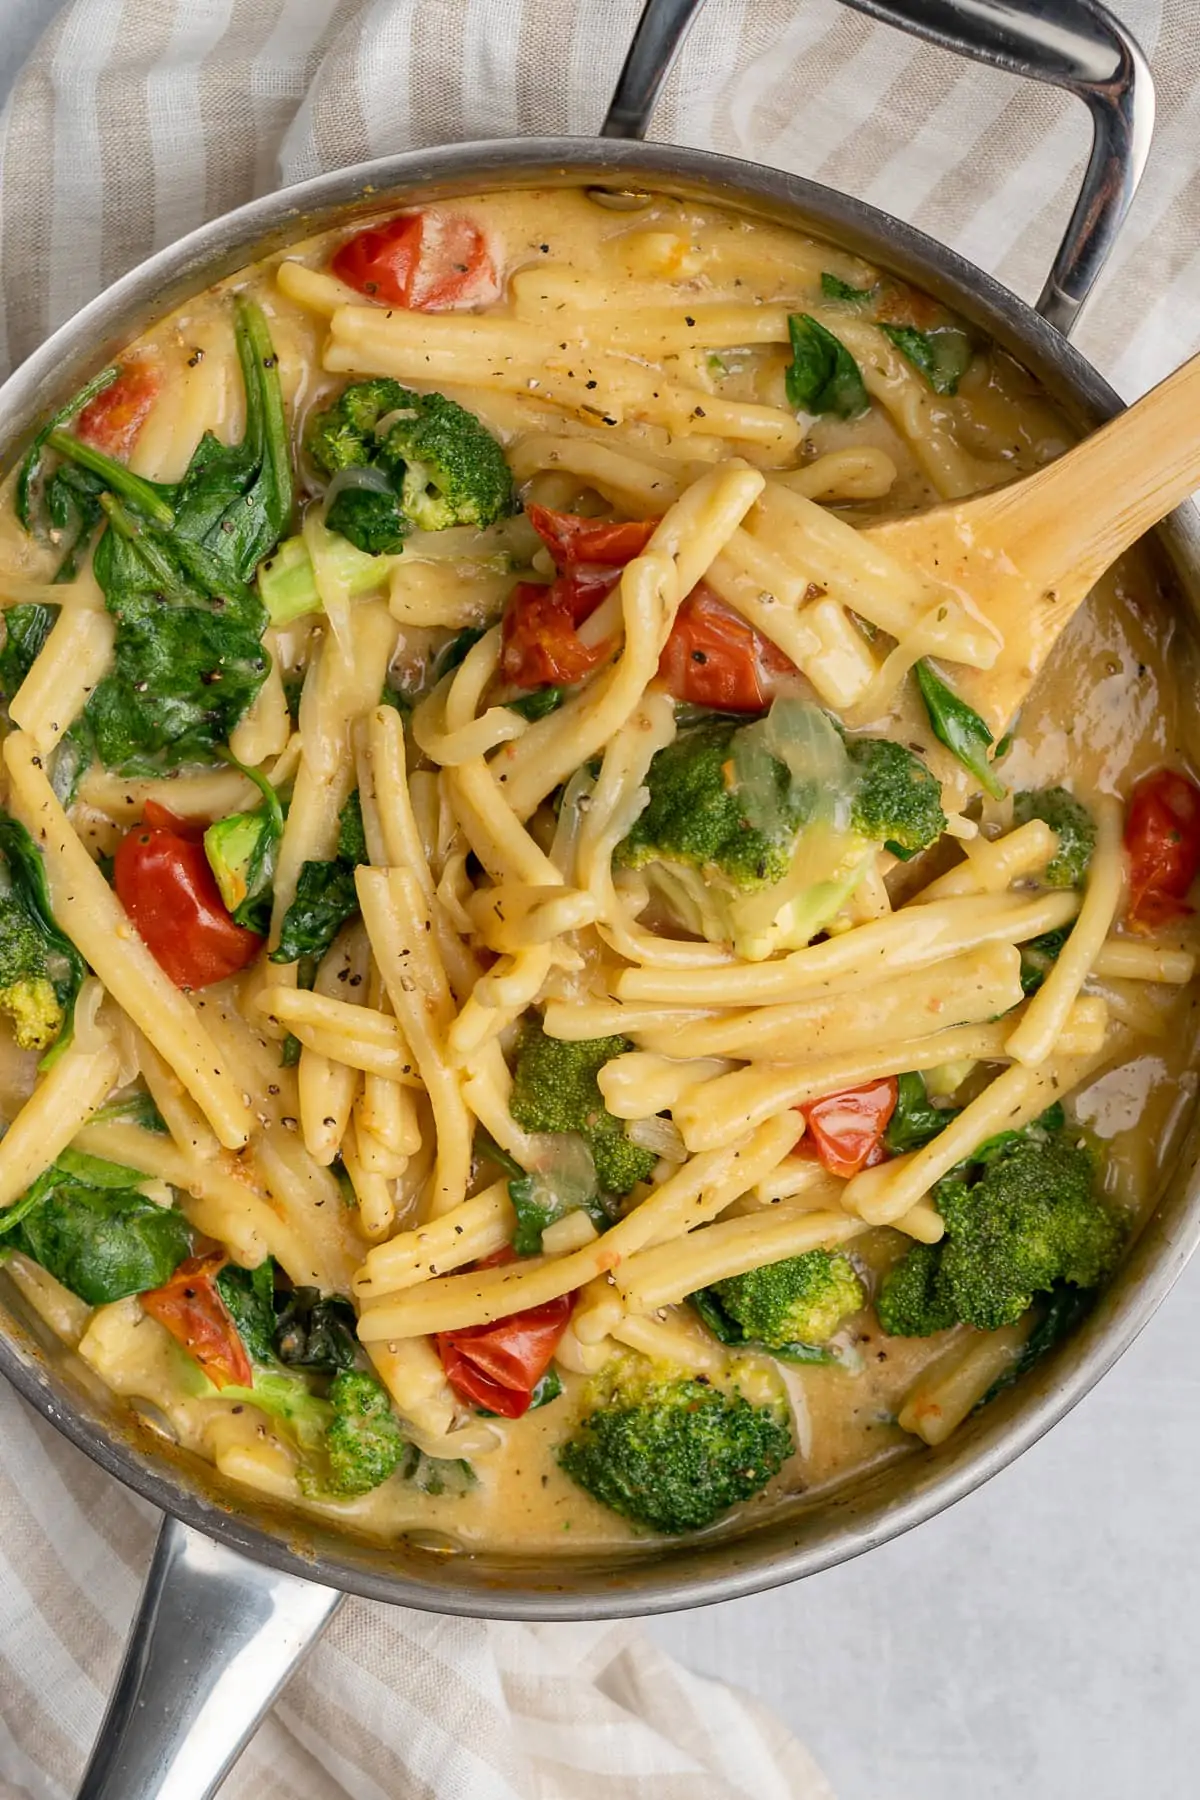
[427, 462]
[1017, 1223]
[363, 1444]
[173, 563]
[896, 801]
[288, 1398]
[1074, 825]
[941, 356]
[287, 586]
[316, 1332]
[249, 1297]
[670, 1452]
[94, 1232]
[1039, 956]
[437, 1475]
[41, 971]
[1066, 1308]
[30, 489]
[325, 893]
[132, 1109]
[756, 834]
[916, 1120]
[538, 703]
[800, 1300]
[241, 851]
[822, 376]
[555, 1089]
[834, 288]
[959, 727]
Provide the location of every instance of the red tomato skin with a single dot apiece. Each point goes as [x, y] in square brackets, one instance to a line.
[540, 643]
[1162, 840]
[713, 658]
[574, 541]
[499, 1365]
[846, 1130]
[166, 886]
[423, 261]
[114, 418]
[190, 1307]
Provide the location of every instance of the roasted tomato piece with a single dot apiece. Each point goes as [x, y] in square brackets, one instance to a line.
[846, 1130]
[1162, 839]
[192, 1310]
[713, 658]
[113, 419]
[164, 882]
[498, 1366]
[427, 261]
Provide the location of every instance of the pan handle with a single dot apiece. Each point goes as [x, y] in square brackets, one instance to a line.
[215, 1638]
[1073, 44]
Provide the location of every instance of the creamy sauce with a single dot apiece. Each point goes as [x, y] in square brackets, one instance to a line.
[1115, 702]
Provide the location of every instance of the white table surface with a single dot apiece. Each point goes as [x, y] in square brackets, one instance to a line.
[1040, 1640]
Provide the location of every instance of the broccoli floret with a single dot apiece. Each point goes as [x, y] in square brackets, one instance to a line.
[773, 884]
[1074, 825]
[555, 1089]
[801, 1300]
[241, 850]
[433, 465]
[670, 1452]
[40, 969]
[897, 802]
[364, 1443]
[1015, 1226]
[912, 1301]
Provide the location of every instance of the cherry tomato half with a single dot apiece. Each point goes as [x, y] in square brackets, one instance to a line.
[192, 1310]
[1162, 838]
[426, 261]
[573, 540]
[540, 641]
[164, 883]
[846, 1130]
[498, 1366]
[713, 658]
[113, 419]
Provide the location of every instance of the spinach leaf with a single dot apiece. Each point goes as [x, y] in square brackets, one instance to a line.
[916, 1119]
[316, 1332]
[941, 356]
[132, 1109]
[99, 1237]
[26, 629]
[537, 1207]
[834, 288]
[325, 898]
[822, 376]
[29, 478]
[959, 727]
[538, 704]
[174, 562]
[249, 1295]
[41, 971]
[325, 893]
[1039, 956]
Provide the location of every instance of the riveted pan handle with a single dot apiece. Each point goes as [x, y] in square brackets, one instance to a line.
[1073, 44]
[215, 1639]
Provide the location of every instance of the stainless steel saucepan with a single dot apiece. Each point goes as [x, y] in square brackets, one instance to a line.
[240, 1589]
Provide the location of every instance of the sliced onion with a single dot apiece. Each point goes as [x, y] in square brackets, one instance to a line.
[384, 425]
[564, 1174]
[819, 782]
[662, 1137]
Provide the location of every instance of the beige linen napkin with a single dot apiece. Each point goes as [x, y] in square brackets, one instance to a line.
[134, 121]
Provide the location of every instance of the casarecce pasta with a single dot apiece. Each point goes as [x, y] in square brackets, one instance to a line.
[511, 939]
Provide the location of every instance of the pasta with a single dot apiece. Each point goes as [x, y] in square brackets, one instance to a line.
[511, 938]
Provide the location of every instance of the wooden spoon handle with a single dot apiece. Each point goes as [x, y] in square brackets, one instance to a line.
[1077, 515]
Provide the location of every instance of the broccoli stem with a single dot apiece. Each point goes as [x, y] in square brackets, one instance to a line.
[287, 585]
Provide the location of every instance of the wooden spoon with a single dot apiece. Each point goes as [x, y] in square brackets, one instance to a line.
[1026, 555]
